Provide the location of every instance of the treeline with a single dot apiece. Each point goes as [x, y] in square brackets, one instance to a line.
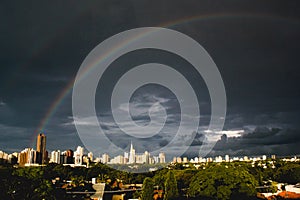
[237, 180]
[53, 180]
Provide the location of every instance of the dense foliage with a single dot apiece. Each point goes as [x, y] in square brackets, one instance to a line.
[223, 182]
[237, 180]
[171, 190]
[26, 183]
[288, 174]
[147, 190]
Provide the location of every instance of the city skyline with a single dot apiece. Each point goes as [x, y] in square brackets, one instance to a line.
[80, 158]
[40, 156]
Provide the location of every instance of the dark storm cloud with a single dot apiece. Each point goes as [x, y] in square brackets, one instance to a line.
[14, 138]
[42, 47]
[255, 45]
[262, 140]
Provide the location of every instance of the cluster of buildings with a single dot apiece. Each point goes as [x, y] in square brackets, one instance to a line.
[219, 159]
[40, 156]
[132, 157]
[5, 157]
[70, 157]
[261, 161]
[28, 156]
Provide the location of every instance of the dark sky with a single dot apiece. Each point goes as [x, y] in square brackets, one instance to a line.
[255, 45]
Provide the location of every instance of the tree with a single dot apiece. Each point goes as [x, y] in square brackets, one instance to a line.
[29, 183]
[171, 190]
[184, 177]
[77, 181]
[147, 189]
[64, 172]
[223, 182]
[160, 177]
[288, 173]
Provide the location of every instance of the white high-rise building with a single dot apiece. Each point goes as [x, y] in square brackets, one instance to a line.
[32, 157]
[178, 160]
[162, 157]
[139, 158]
[156, 159]
[117, 160]
[146, 157]
[218, 159]
[55, 157]
[227, 158]
[78, 154]
[185, 160]
[131, 155]
[196, 160]
[105, 158]
[126, 155]
[91, 156]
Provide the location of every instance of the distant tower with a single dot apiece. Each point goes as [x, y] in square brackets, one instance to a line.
[70, 154]
[41, 148]
[105, 158]
[90, 156]
[78, 154]
[162, 157]
[146, 157]
[227, 158]
[131, 154]
[55, 157]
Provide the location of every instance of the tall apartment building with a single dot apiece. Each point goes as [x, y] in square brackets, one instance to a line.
[41, 149]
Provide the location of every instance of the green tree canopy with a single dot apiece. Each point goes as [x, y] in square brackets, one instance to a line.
[171, 190]
[222, 182]
[288, 173]
[30, 183]
[147, 189]
[160, 177]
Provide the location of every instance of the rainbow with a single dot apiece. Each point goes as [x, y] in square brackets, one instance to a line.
[190, 19]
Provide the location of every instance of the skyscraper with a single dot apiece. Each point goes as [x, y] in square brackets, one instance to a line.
[162, 157]
[90, 156]
[70, 155]
[105, 158]
[146, 157]
[55, 157]
[41, 148]
[131, 154]
[78, 154]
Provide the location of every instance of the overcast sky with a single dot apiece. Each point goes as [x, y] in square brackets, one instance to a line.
[255, 45]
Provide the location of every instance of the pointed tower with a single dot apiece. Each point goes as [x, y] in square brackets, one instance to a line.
[131, 154]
